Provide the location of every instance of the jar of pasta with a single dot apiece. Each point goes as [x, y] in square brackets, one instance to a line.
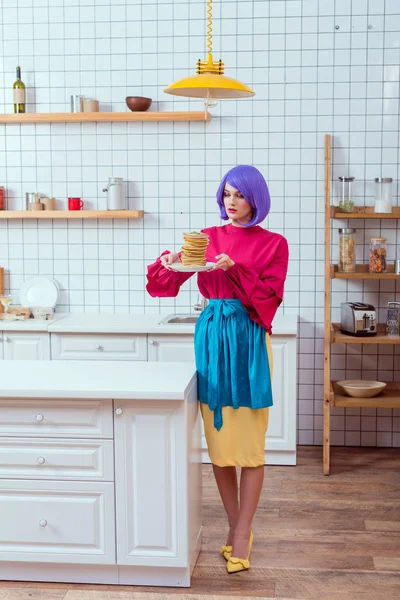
[347, 250]
[377, 255]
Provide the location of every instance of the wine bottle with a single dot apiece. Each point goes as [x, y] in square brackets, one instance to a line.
[19, 93]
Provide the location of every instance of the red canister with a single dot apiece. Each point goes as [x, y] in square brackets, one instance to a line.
[2, 198]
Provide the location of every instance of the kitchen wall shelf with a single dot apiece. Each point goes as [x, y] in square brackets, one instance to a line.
[362, 272]
[104, 117]
[364, 212]
[337, 337]
[71, 214]
[389, 398]
[332, 397]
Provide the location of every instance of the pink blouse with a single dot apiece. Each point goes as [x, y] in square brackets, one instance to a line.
[256, 279]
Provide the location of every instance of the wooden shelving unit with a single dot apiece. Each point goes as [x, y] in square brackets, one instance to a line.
[362, 272]
[390, 397]
[104, 117]
[71, 214]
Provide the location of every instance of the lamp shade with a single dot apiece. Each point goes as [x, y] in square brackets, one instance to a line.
[209, 85]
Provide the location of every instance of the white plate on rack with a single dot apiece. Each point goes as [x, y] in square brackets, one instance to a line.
[39, 291]
[180, 268]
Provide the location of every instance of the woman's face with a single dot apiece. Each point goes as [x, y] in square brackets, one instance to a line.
[237, 209]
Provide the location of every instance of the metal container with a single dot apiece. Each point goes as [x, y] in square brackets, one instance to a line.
[392, 323]
[397, 267]
[115, 194]
[76, 104]
[31, 198]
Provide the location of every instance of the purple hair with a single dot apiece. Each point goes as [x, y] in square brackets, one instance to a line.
[252, 185]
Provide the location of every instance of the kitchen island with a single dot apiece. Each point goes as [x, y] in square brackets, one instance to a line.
[100, 472]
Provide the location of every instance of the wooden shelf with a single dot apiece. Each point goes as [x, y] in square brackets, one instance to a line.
[337, 337]
[364, 212]
[389, 398]
[362, 272]
[102, 117]
[71, 214]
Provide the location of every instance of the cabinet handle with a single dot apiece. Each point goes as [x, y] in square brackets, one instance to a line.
[118, 411]
[42, 522]
[6, 338]
[151, 341]
[39, 417]
[41, 460]
[98, 347]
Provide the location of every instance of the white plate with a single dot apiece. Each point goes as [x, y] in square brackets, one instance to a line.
[179, 267]
[39, 291]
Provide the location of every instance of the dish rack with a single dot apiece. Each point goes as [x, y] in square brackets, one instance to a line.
[390, 397]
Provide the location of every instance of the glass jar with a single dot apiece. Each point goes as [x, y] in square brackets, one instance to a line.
[346, 203]
[377, 255]
[347, 251]
[383, 195]
[2, 198]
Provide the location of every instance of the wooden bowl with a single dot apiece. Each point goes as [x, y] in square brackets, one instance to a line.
[358, 388]
[138, 103]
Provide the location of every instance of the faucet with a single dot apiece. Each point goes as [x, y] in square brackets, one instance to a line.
[200, 304]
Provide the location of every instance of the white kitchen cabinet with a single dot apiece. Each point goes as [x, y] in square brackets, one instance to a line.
[156, 498]
[170, 348]
[26, 345]
[98, 346]
[62, 521]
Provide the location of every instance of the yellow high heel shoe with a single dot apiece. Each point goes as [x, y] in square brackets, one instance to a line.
[234, 565]
[226, 552]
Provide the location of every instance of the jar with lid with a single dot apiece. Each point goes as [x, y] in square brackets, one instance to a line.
[383, 195]
[2, 198]
[377, 255]
[347, 250]
[346, 204]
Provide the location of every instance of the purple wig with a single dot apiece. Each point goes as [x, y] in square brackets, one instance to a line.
[252, 185]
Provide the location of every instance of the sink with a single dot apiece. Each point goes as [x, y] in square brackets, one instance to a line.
[179, 319]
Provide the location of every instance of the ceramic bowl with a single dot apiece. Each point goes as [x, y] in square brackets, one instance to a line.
[138, 103]
[358, 388]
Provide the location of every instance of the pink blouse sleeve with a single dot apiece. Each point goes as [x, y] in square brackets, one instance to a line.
[262, 293]
[163, 283]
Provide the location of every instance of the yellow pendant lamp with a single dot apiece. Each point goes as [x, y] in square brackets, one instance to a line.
[210, 81]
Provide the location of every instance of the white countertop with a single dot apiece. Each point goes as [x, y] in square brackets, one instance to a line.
[124, 323]
[144, 323]
[30, 324]
[120, 380]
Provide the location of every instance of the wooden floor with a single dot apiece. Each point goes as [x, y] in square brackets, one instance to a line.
[316, 537]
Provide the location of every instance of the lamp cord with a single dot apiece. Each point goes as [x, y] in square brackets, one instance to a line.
[209, 26]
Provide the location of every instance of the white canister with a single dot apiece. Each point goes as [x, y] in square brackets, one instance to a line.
[383, 195]
[115, 194]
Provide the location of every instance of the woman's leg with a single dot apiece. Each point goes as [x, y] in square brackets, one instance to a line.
[226, 479]
[251, 482]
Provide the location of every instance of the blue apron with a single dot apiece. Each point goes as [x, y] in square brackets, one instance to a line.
[231, 359]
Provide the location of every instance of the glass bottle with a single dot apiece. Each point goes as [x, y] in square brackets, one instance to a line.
[347, 250]
[383, 195]
[19, 93]
[377, 255]
[346, 203]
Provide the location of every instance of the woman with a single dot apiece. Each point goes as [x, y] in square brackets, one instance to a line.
[232, 344]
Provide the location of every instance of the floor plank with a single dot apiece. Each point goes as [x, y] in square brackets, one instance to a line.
[316, 538]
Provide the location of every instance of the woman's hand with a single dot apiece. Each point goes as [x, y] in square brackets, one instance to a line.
[224, 262]
[168, 259]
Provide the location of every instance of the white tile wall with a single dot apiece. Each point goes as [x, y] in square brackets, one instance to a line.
[317, 66]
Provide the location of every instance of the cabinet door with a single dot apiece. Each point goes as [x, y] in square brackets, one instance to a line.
[150, 480]
[20, 345]
[281, 434]
[171, 348]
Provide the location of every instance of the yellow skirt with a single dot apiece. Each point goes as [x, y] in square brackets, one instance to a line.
[241, 440]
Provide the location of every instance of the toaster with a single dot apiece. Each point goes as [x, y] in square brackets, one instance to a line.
[358, 319]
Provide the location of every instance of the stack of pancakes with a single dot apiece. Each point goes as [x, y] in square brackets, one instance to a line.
[194, 249]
